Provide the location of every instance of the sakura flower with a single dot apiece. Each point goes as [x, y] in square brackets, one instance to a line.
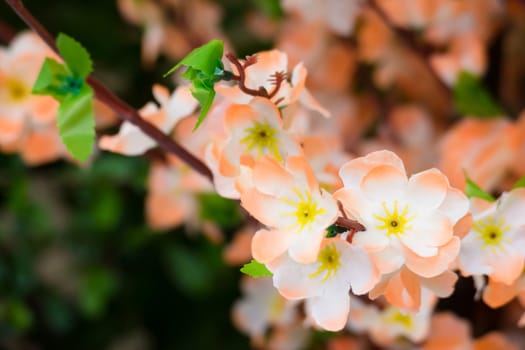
[451, 332]
[488, 150]
[130, 140]
[496, 244]
[497, 294]
[288, 200]
[262, 307]
[263, 73]
[408, 221]
[339, 15]
[325, 282]
[172, 195]
[254, 130]
[391, 325]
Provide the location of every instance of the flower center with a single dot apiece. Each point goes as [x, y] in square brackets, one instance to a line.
[396, 317]
[262, 137]
[16, 90]
[328, 261]
[394, 222]
[306, 209]
[490, 231]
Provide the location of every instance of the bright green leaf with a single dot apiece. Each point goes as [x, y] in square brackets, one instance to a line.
[334, 230]
[97, 287]
[473, 190]
[76, 123]
[75, 55]
[51, 79]
[520, 183]
[256, 269]
[205, 58]
[205, 97]
[471, 98]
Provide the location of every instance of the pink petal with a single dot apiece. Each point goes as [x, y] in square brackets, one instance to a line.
[433, 266]
[269, 244]
[427, 190]
[384, 183]
[330, 311]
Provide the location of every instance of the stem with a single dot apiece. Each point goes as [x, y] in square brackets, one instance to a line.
[128, 113]
[241, 78]
[121, 108]
[409, 41]
[6, 33]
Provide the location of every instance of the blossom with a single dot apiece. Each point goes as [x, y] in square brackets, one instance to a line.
[288, 200]
[497, 294]
[254, 130]
[325, 282]
[408, 221]
[130, 139]
[391, 325]
[488, 150]
[262, 307]
[496, 244]
[262, 74]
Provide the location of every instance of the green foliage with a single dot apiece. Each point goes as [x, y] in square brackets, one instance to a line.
[67, 84]
[255, 269]
[18, 314]
[520, 183]
[471, 98]
[334, 230]
[473, 190]
[225, 212]
[204, 69]
[97, 287]
[271, 8]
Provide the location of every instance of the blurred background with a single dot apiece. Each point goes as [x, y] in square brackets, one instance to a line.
[80, 267]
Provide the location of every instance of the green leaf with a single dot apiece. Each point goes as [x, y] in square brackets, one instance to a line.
[225, 212]
[76, 123]
[473, 190]
[205, 58]
[271, 8]
[334, 230]
[256, 269]
[520, 183]
[97, 287]
[471, 98]
[75, 55]
[205, 97]
[51, 79]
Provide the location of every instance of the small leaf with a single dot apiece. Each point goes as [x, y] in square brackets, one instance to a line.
[204, 58]
[520, 183]
[75, 55]
[76, 123]
[50, 79]
[334, 230]
[256, 269]
[98, 285]
[471, 98]
[473, 190]
[205, 97]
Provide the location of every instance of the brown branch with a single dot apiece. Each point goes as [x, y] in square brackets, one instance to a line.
[121, 108]
[6, 33]
[409, 41]
[241, 77]
[129, 114]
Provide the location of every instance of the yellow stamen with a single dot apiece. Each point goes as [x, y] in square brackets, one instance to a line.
[262, 137]
[16, 90]
[306, 209]
[395, 223]
[491, 232]
[329, 262]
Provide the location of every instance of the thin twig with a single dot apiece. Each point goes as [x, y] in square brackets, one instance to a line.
[6, 33]
[128, 113]
[121, 108]
[408, 39]
[241, 77]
